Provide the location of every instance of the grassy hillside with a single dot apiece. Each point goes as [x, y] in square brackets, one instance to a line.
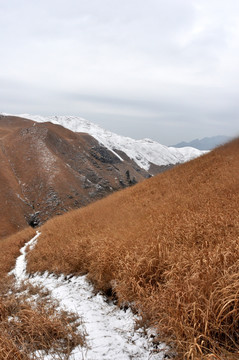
[170, 245]
[10, 250]
[46, 170]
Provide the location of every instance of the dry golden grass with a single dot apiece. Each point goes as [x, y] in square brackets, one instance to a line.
[30, 325]
[27, 326]
[170, 245]
[10, 249]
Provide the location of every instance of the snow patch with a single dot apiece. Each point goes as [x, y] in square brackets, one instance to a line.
[111, 331]
[19, 270]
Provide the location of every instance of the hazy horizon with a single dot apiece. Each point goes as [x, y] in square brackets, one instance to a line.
[161, 70]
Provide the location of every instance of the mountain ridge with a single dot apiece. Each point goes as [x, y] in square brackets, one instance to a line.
[48, 169]
[206, 143]
[144, 152]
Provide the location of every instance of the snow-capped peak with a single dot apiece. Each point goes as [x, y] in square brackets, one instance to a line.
[143, 152]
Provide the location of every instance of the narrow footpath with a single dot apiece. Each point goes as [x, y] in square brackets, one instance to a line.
[111, 333]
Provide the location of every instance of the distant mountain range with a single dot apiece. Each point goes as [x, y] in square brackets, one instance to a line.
[207, 143]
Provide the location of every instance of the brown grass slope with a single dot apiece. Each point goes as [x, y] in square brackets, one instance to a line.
[30, 324]
[170, 245]
[10, 249]
[9, 185]
[46, 170]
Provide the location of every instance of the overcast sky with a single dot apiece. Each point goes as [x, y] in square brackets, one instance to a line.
[161, 69]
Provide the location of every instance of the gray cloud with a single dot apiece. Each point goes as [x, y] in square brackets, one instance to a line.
[161, 69]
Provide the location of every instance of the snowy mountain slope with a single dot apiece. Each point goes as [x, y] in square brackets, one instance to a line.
[143, 152]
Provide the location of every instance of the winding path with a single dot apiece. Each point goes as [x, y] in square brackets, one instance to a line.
[110, 330]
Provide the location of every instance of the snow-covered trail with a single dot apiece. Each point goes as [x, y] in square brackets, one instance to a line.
[20, 269]
[110, 330]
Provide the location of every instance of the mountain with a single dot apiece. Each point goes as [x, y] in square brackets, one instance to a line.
[207, 143]
[167, 246]
[145, 153]
[48, 169]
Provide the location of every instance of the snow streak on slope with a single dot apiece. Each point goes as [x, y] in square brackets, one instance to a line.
[143, 152]
[111, 333]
